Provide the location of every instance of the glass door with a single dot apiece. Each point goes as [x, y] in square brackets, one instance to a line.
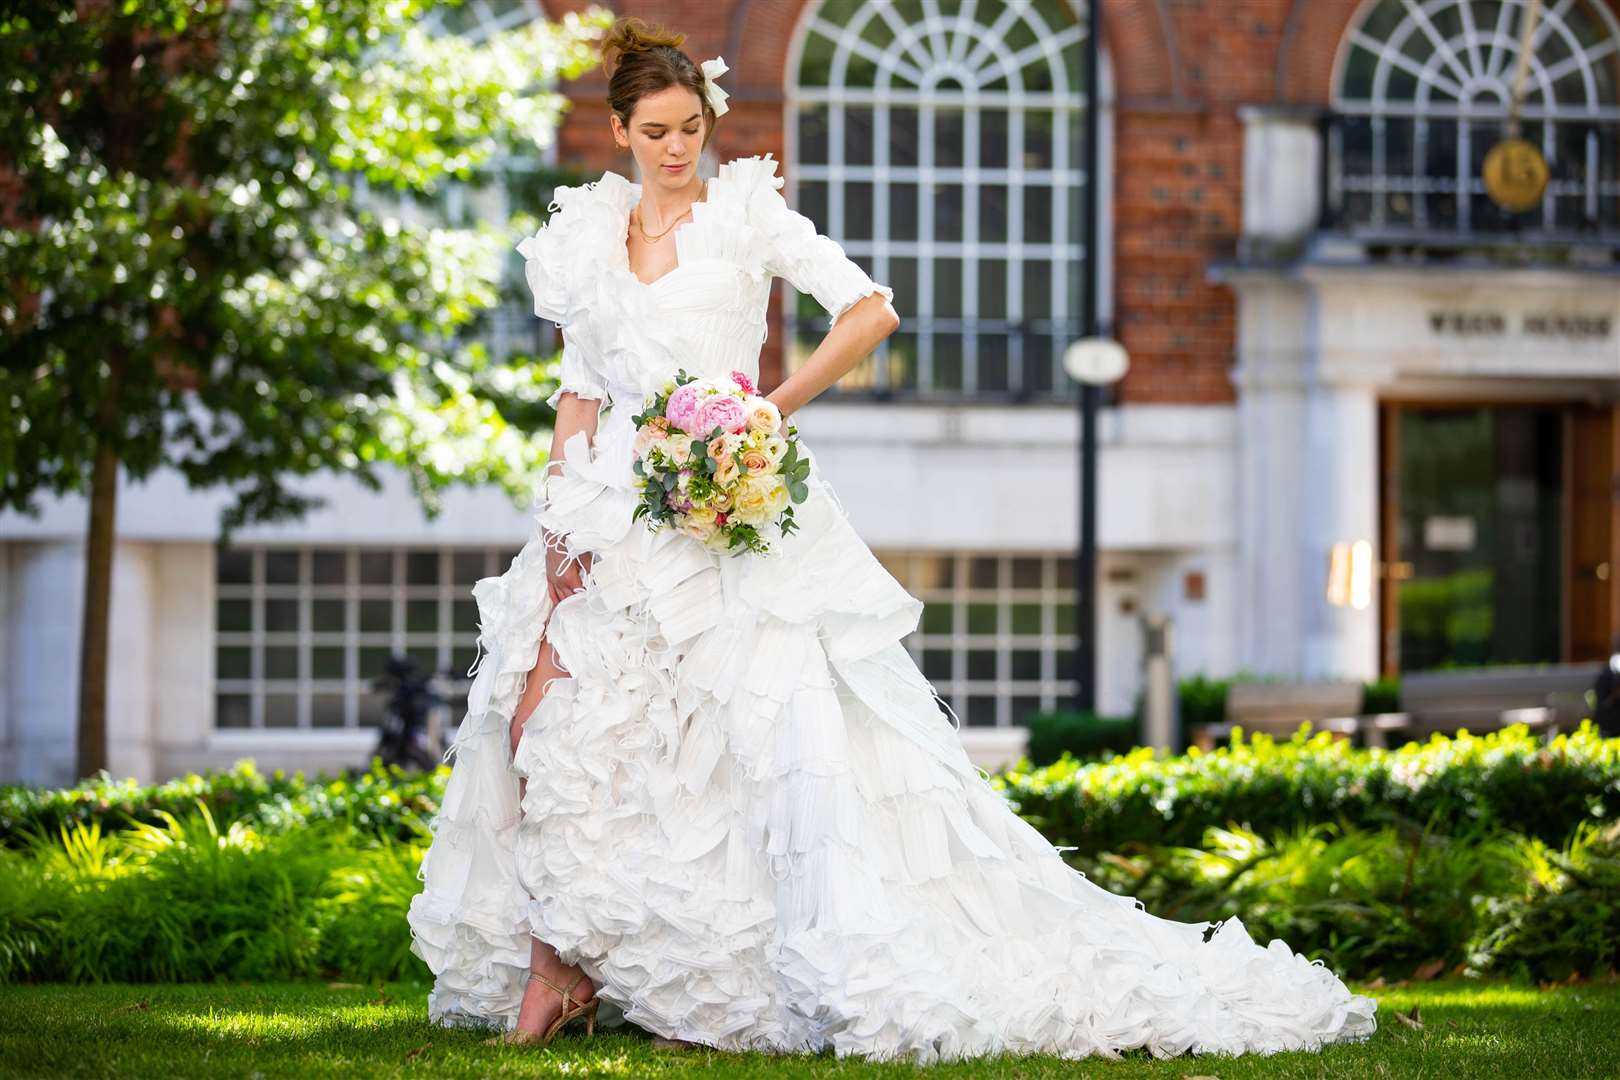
[1477, 570]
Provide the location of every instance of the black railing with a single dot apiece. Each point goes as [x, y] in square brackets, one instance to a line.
[1407, 180]
[1008, 361]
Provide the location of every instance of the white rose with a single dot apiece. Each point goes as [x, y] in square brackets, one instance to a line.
[679, 448]
[762, 415]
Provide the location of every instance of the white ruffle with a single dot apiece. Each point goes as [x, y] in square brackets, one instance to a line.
[745, 814]
[749, 823]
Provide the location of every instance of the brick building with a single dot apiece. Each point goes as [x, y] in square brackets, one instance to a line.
[1368, 426]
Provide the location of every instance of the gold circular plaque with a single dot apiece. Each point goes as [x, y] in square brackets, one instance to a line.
[1516, 175]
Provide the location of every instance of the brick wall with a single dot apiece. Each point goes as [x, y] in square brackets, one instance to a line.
[1182, 68]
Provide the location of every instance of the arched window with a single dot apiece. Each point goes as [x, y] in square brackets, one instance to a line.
[941, 145]
[1423, 91]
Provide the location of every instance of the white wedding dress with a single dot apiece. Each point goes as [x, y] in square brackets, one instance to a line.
[746, 817]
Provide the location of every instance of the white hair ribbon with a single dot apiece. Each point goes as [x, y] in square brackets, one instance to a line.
[712, 70]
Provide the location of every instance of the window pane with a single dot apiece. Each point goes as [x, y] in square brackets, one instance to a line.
[947, 212]
[903, 212]
[327, 616]
[376, 616]
[1037, 214]
[903, 136]
[326, 710]
[327, 662]
[281, 616]
[233, 710]
[234, 566]
[281, 662]
[949, 132]
[233, 662]
[376, 568]
[329, 567]
[993, 213]
[813, 134]
[857, 211]
[421, 616]
[281, 567]
[993, 134]
[1038, 126]
[422, 568]
[234, 616]
[858, 138]
[280, 710]
[468, 566]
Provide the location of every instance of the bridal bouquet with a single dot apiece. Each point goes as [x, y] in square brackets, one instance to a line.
[714, 461]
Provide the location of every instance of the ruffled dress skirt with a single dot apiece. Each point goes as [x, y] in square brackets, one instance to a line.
[748, 821]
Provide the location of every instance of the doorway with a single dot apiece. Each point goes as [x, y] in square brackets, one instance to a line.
[1497, 533]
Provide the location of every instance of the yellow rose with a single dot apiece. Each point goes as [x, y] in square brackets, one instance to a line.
[752, 501]
[757, 461]
[779, 495]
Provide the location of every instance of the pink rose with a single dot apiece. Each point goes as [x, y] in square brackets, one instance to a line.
[744, 382]
[721, 410]
[681, 409]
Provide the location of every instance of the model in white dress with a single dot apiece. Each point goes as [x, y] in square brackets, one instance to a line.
[745, 816]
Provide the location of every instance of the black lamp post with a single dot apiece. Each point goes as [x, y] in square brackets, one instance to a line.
[1093, 361]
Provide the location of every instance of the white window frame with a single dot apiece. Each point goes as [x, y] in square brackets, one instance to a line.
[1467, 78]
[959, 47]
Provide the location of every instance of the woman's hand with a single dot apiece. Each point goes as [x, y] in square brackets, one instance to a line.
[563, 581]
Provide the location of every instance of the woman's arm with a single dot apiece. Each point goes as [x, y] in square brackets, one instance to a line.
[852, 338]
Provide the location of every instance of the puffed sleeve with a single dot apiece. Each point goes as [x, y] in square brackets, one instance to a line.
[577, 374]
[557, 261]
[812, 261]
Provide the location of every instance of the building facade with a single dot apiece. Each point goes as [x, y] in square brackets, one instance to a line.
[1368, 425]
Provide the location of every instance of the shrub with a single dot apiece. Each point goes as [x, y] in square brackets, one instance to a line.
[191, 900]
[1508, 777]
[381, 798]
[1079, 734]
[1566, 918]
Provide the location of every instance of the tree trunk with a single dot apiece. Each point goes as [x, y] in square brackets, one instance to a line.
[98, 553]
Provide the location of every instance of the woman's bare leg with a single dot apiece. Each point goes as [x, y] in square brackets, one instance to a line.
[542, 1005]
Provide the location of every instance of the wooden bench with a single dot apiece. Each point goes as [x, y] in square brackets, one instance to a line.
[1486, 699]
[1277, 709]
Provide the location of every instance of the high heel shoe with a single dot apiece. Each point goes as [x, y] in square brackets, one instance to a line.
[571, 1010]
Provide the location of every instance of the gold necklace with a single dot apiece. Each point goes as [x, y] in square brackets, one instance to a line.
[654, 239]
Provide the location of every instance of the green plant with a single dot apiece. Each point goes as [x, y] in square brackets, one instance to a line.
[1078, 734]
[1566, 919]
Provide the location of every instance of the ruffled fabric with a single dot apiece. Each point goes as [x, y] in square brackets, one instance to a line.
[746, 816]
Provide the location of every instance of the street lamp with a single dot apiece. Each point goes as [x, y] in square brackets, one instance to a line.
[1093, 362]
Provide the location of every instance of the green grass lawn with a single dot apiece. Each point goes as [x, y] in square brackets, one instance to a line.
[1496, 1030]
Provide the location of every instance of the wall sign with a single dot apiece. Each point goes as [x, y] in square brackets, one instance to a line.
[1573, 325]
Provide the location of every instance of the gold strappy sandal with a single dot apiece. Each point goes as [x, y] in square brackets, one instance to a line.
[571, 1010]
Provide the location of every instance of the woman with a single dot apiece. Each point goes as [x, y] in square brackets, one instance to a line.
[714, 790]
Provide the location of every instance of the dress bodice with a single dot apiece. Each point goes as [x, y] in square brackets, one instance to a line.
[623, 337]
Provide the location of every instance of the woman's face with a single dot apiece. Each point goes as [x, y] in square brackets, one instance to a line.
[666, 130]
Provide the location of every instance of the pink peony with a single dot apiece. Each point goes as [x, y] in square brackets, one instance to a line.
[682, 407]
[744, 382]
[722, 410]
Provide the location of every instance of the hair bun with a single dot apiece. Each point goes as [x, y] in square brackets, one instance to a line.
[631, 34]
